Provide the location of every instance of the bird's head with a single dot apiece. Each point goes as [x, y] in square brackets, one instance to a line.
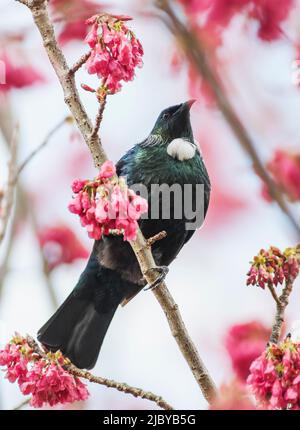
[174, 122]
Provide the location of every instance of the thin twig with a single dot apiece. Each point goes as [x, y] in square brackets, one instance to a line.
[82, 60]
[21, 405]
[274, 294]
[121, 386]
[142, 252]
[194, 49]
[99, 117]
[109, 383]
[8, 197]
[283, 301]
[42, 145]
[159, 236]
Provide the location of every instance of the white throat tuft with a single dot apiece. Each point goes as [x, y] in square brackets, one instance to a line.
[181, 149]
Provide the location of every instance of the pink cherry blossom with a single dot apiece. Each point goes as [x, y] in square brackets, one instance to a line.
[107, 170]
[273, 267]
[50, 384]
[275, 376]
[137, 207]
[285, 169]
[78, 185]
[115, 51]
[244, 342]
[71, 16]
[269, 14]
[41, 376]
[232, 396]
[105, 205]
[60, 245]
[15, 363]
[18, 72]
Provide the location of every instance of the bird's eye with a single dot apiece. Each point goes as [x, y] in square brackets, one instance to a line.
[166, 115]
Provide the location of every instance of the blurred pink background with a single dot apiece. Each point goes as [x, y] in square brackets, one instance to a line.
[208, 279]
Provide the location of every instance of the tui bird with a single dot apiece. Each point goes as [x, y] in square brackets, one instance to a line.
[168, 156]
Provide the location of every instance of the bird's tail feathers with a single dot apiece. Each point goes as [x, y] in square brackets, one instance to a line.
[80, 324]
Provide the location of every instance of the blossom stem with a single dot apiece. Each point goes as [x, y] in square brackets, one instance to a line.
[196, 53]
[282, 303]
[99, 117]
[82, 60]
[274, 294]
[21, 405]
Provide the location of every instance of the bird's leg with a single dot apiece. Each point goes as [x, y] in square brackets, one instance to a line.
[162, 272]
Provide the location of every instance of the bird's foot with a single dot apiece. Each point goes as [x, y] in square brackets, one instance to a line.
[162, 272]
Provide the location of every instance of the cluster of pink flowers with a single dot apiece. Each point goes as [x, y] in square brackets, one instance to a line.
[285, 169]
[245, 342]
[60, 245]
[15, 68]
[106, 206]
[273, 267]
[275, 376]
[115, 51]
[42, 377]
[269, 14]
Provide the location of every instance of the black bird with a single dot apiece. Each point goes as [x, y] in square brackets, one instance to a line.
[168, 156]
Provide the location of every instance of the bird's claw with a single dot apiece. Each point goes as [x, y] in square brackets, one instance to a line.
[162, 272]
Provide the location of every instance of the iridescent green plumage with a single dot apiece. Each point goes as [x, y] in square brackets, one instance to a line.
[113, 274]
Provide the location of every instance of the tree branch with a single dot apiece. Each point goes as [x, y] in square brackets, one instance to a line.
[176, 324]
[281, 304]
[109, 383]
[195, 51]
[121, 386]
[143, 253]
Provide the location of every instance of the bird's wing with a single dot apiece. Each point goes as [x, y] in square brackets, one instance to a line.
[207, 188]
[127, 166]
[123, 164]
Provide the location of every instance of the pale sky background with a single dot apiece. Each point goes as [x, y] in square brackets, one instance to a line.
[208, 278]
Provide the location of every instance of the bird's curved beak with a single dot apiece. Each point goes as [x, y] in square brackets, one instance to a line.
[190, 103]
[186, 107]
